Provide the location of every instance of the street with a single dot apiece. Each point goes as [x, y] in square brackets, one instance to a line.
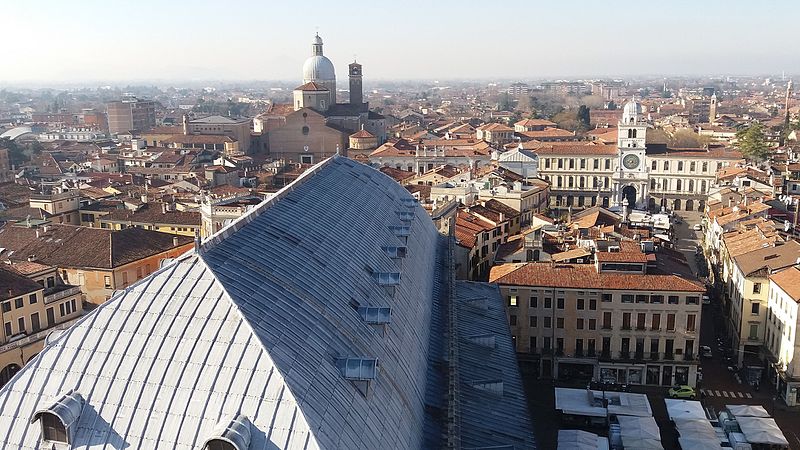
[717, 389]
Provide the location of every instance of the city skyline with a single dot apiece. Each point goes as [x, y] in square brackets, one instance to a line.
[447, 41]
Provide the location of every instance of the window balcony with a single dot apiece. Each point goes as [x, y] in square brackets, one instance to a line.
[624, 355]
[654, 356]
[669, 356]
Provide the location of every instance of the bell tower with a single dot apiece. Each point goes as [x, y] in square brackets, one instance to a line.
[712, 108]
[356, 88]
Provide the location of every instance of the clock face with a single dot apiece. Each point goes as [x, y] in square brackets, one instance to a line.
[630, 161]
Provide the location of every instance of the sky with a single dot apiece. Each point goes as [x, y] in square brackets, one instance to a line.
[116, 41]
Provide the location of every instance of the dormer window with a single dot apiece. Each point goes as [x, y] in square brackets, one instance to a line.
[58, 421]
[53, 429]
[230, 435]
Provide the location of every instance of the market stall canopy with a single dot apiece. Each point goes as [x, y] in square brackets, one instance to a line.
[684, 409]
[581, 440]
[747, 410]
[761, 430]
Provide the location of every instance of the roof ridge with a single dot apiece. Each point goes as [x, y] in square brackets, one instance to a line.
[248, 217]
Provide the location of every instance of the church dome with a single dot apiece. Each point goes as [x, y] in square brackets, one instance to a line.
[318, 68]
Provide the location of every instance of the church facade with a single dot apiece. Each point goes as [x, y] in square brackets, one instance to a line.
[319, 126]
[631, 173]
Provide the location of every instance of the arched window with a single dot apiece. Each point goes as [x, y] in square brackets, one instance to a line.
[581, 181]
[219, 444]
[678, 185]
[305, 130]
[58, 421]
[558, 181]
[703, 186]
[652, 183]
[570, 182]
[691, 185]
[53, 429]
[633, 132]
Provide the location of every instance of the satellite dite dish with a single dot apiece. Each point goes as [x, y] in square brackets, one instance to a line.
[305, 148]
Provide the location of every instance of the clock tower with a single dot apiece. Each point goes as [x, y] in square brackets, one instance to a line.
[630, 179]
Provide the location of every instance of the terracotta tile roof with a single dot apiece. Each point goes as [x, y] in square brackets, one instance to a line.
[71, 246]
[588, 148]
[495, 127]
[398, 175]
[622, 256]
[311, 86]
[654, 150]
[547, 133]
[468, 226]
[788, 280]
[496, 205]
[579, 252]
[362, 134]
[153, 214]
[199, 139]
[585, 276]
[724, 216]
[535, 123]
[513, 245]
[769, 258]
[15, 285]
[26, 268]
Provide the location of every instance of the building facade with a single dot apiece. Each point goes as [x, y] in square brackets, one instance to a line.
[130, 114]
[33, 303]
[643, 175]
[610, 320]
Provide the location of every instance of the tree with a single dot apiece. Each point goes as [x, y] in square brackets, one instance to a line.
[504, 102]
[583, 117]
[752, 142]
[567, 120]
[16, 153]
[686, 138]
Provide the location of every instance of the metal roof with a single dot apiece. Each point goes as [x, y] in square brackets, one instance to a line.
[264, 327]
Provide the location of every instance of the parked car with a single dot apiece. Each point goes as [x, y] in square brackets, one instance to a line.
[705, 351]
[697, 227]
[683, 391]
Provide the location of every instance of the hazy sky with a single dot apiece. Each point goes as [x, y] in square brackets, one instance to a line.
[116, 40]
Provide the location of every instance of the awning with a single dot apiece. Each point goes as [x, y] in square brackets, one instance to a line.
[747, 411]
[761, 430]
[684, 409]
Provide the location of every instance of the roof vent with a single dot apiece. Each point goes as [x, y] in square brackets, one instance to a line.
[231, 435]
[59, 421]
